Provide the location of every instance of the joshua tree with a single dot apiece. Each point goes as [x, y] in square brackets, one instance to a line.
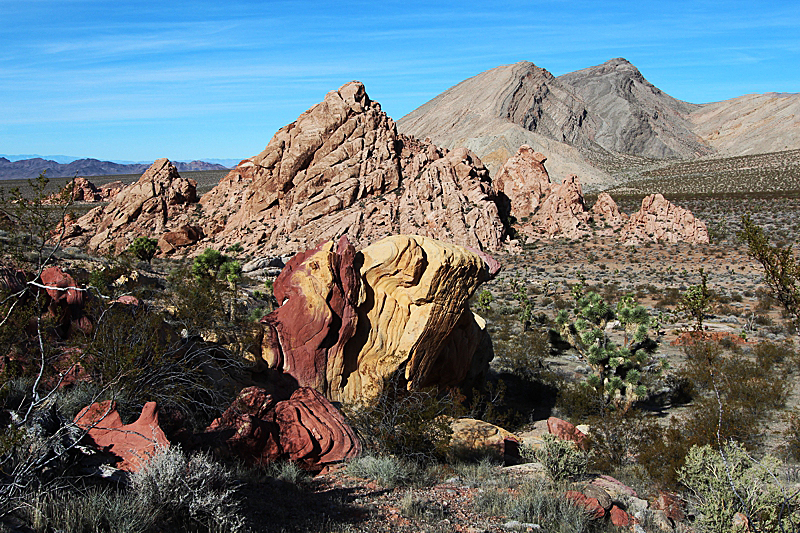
[616, 368]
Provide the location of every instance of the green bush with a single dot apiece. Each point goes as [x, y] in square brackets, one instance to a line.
[389, 471]
[728, 481]
[562, 459]
[540, 502]
[143, 248]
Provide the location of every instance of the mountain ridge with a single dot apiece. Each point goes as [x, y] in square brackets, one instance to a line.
[30, 168]
[598, 113]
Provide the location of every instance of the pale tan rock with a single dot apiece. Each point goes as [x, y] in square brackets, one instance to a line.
[524, 180]
[342, 169]
[606, 211]
[563, 212]
[472, 436]
[659, 220]
[159, 201]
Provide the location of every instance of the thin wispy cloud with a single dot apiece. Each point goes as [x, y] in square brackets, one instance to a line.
[245, 68]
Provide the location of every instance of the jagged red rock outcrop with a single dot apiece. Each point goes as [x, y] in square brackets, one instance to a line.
[524, 180]
[306, 428]
[133, 443]
[161, 200]
[349, 321]
[605, 209]
[550, 210]
[563, 212]
[342, 169]
[660, 220]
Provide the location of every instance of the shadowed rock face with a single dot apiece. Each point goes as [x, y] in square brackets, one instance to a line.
[306, 428]
[631, 115]
[348, 320]
[342, 169]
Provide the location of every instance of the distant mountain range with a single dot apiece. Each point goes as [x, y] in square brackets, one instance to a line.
[585, 120]
[32, 167]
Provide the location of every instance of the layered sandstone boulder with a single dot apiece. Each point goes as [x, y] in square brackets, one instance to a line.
[306, 428]
[659, 220]
[342, 169]
[349, 321]
[160, 201]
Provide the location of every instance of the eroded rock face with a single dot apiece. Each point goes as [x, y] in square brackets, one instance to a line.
[660, 220]
[306, 428]
[551, 210]
[563, 212]
[133, 443]
[85, 191]
[524, 180]
[306, 335]
[342, 169]
[348, 320]
[161, 200]
[605, 211]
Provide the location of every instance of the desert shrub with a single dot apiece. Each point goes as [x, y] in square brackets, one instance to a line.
[187, 490]
[696, 302]
[733, 394]
[172, 492]
[537, 501]
[562, 459]
[143, 248]
[781, 270]
[136, 357]
[412, 425]
[389, 471]
[727, 481]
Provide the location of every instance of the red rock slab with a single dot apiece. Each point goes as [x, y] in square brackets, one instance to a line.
[313, 432]
[133, 443]
[306, 429]
[59, 281]
[566, 431]
[594, 508]
[671, 504]
[620, 518]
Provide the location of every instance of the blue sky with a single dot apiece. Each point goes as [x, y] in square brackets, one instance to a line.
[141, 80]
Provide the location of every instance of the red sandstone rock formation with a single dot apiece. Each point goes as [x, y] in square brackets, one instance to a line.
[161, 200]
[184, 236]
[566, 431]
[306, 428]
[133, 443]
[524, 180]
[563, 212]
[660, 220]
[605, 210]
[342, 169]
